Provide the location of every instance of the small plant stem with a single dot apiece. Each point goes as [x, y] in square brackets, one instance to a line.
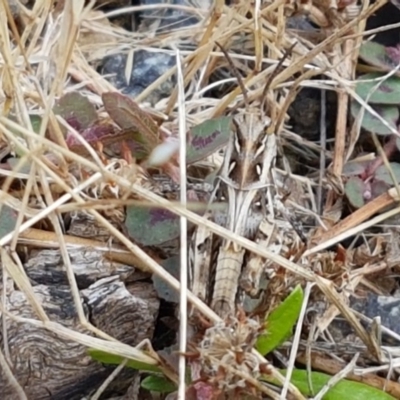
[389, 148]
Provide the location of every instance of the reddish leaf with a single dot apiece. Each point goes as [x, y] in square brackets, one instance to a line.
[207, 138]
[109, 137]
[378, 188]
[394, 54]
[76, 110]
[128, 115]
[93, 134]
[151, 226]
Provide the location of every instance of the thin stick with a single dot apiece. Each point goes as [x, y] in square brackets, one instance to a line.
[275, 72]
[296, 340]
[109, 379]
[236, 73]
[338, 377]
[183, 237]
[322, 158]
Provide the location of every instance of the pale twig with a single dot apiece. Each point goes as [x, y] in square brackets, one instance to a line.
[296, 340]
[322, 158]
[337, 378]
[109, 379]
[183, 234]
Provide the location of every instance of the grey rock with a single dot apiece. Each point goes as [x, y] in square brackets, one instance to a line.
[147, 68]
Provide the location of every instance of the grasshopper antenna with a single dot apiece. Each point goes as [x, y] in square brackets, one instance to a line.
[236, 73]
[276, 71]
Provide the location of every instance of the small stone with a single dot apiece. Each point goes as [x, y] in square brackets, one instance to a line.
[147, 68]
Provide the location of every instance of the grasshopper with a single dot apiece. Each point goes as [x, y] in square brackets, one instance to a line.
[244, 181]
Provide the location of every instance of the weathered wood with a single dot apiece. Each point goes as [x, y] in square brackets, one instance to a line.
[47, 267]
[50, 367]
[83, 224]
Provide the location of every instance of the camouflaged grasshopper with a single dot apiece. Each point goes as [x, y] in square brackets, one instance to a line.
[219, 273]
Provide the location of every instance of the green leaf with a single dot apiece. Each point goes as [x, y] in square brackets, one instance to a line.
[107, 358]
[207, 138]
[345, 389]
[383, 174]
[77, 110]
[386, 92]
[151, 226]
[36, 122]
[354, 168]
[280, 322]
[377, 55]
[373, 124]
[8, 219]
[158, 384]
[354, 189]
[13, 162]
[164, 290]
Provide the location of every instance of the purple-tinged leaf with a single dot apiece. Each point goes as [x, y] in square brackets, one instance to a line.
[164, 290]
[92, 135]
[109, 137]
[383, 174]
[394, 54]
[371, 123]
[376, 91]
[378, 188]
[207, 138]
[355, 190]
[76, 110]
[127, 114]
[151, 226]
[379, 56]
[8, 219]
